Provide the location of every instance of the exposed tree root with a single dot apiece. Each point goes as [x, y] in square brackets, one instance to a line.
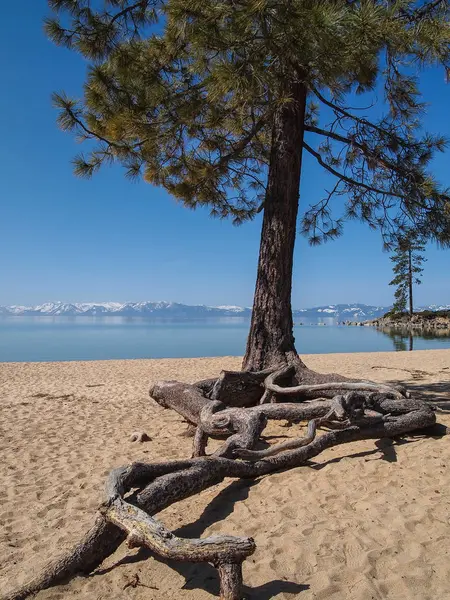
[136, 492]
[319, 385]
[144, 530]
[241, 388]
[245, 388]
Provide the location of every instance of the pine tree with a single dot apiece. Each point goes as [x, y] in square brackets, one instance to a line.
[408, 260]
[218, 100]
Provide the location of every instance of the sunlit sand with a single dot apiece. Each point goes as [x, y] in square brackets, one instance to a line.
[366, 520]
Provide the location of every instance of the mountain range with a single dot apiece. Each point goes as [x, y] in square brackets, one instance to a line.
[337, 312]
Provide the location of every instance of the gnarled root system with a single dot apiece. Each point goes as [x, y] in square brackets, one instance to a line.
[348, 410]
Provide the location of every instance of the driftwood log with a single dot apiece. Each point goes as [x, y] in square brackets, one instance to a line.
[221, 408]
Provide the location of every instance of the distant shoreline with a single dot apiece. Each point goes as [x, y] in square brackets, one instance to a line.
[339, 312]
[418, 322]
[235, 360]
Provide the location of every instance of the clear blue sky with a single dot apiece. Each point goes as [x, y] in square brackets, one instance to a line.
[62, 238]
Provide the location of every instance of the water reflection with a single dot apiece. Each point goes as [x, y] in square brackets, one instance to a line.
[404, 339]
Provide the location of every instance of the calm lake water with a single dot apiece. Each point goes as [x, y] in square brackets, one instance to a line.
[38, 339]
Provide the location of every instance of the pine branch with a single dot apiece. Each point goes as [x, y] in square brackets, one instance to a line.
[349, 180]
[242, 144]
[129, 9]
[426, 10]
[360, 120]
[351, 141]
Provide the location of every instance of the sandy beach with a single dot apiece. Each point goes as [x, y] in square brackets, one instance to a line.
[365, 521]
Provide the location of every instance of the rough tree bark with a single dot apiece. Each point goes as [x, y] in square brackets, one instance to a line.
[271, 339]
[410, 283]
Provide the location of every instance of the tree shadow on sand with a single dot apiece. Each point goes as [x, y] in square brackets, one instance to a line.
[385, 450]
[437, 393]
[203, 575]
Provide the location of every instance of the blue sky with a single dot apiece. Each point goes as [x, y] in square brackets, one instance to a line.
[62, 238]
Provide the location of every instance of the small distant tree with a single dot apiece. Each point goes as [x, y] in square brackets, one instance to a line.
[408, 259]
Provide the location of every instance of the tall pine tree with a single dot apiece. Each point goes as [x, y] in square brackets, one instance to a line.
[408, 259]
[218, 101]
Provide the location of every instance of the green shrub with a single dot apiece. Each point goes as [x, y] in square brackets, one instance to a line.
[395, 315]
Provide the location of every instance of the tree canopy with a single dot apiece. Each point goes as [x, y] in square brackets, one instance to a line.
[184, 93]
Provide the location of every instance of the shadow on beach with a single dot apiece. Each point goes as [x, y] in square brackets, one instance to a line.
[203, 575]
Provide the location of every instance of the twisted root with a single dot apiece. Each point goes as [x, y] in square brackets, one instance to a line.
[350, 417]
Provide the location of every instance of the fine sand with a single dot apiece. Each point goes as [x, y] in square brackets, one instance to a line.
[366, 520]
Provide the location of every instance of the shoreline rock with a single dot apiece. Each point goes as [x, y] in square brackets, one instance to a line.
[418, 321]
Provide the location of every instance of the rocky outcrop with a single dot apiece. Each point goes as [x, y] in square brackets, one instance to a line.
[420, 322]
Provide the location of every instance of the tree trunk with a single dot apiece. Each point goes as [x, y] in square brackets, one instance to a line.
[410, 282]
[271, 339]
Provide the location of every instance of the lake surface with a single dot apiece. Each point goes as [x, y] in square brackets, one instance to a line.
[38, 339]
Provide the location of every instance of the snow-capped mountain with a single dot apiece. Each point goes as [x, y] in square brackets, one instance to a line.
[127, 309]
[342, 312]
[337, 312]
[355, 312]
[435, 307]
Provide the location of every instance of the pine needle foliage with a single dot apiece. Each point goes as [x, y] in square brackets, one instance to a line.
[183, 93]
[408, 259]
